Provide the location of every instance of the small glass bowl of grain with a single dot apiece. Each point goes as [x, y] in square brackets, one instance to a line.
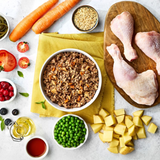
[85, 18]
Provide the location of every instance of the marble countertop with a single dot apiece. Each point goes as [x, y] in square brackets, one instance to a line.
[94, 149]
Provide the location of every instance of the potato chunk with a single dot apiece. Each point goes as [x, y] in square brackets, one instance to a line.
[126, 150]
[146, 119]
[100, 134]
[96, 127]
[126, 138]
[128, 122]
[106, 128]
[137, 121]
[120, 119]
[121, 140]
[138, 113]
[110, 120]
[152, 128]
[120, 129]
[108, 136]
[131, 130]
[141, 133]
[97, 119]
[103, 113]
[114, 143]
[119, 112]
[113, 149]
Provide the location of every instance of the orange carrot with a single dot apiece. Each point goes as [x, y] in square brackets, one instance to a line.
[25, 25]
[50, 17]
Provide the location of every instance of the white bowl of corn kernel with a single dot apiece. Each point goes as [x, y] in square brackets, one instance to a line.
[85, 18]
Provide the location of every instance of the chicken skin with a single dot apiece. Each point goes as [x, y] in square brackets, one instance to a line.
[141, 88]
[149, 43]
[122, 26]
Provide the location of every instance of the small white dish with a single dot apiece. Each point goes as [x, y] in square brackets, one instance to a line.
[7, 25]
[36, 146]
[56, 105]
[86, 136]
[14, 87]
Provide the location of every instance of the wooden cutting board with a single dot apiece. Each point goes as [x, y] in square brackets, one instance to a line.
[143, 21]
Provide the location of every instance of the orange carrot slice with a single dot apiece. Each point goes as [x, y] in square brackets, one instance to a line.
[25, 25]
[50, 17]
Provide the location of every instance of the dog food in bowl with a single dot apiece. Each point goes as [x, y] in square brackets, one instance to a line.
[70, 79]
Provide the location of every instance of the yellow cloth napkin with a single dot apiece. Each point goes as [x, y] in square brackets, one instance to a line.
[90, 43]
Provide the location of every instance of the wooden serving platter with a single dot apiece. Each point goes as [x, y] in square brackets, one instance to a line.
[143, 21]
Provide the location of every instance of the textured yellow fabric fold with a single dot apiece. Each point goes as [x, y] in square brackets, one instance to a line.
[91, 43]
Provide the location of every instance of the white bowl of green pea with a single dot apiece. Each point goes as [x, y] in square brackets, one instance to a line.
[70, 132]
[4, 27]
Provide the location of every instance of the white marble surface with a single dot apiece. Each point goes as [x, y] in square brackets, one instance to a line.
[94, 149]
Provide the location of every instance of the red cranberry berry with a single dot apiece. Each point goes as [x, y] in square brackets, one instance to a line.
[4, 85]
[5, 92]
[1, 90]
[10, 88]
[7, 97]
[11, 94]
[2, 98]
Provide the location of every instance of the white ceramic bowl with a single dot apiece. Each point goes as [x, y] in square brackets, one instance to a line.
[56, 105]
[14, 87]
[46, 151]
[86, 136]
[7, 25]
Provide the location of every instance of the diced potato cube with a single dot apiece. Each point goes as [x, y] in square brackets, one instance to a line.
[96, 127]
[120, 129]
[121, 140]
[128, 122]
[114, 143]
[116, 135]
[131, 130]
[137, 121]
[113, 149]
[120, 119]
[97, 119]
[106, 128]
[138, 113]
[135, 137]
[126, 138]
[101, 137]
[141, 133]
[125, 150]
[146, 119]
[152, 128]
[108, 136]
[129, 116]
[110, 120]
[119, 112]
[103, 113]
[130, 143]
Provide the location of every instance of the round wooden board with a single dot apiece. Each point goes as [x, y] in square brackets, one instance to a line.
[143, 21]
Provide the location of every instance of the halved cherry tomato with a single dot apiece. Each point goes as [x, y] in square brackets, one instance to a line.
[7, 61]
[23, 62]
[22, 47]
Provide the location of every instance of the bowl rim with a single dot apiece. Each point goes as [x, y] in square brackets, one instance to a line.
[47, 147]
[91, 29]
[1, 14]
[56, 105]
[86, 136]
[14, 87]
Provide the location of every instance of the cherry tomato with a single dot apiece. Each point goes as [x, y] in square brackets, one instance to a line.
[22, 47]
[7, 61]
[23, 62]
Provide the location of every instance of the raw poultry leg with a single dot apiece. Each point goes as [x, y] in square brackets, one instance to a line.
[142, 88]
[149, 43]
[122, 26]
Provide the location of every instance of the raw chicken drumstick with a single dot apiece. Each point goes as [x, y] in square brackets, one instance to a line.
[149, 43]
[122, 26]
[141, 88]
